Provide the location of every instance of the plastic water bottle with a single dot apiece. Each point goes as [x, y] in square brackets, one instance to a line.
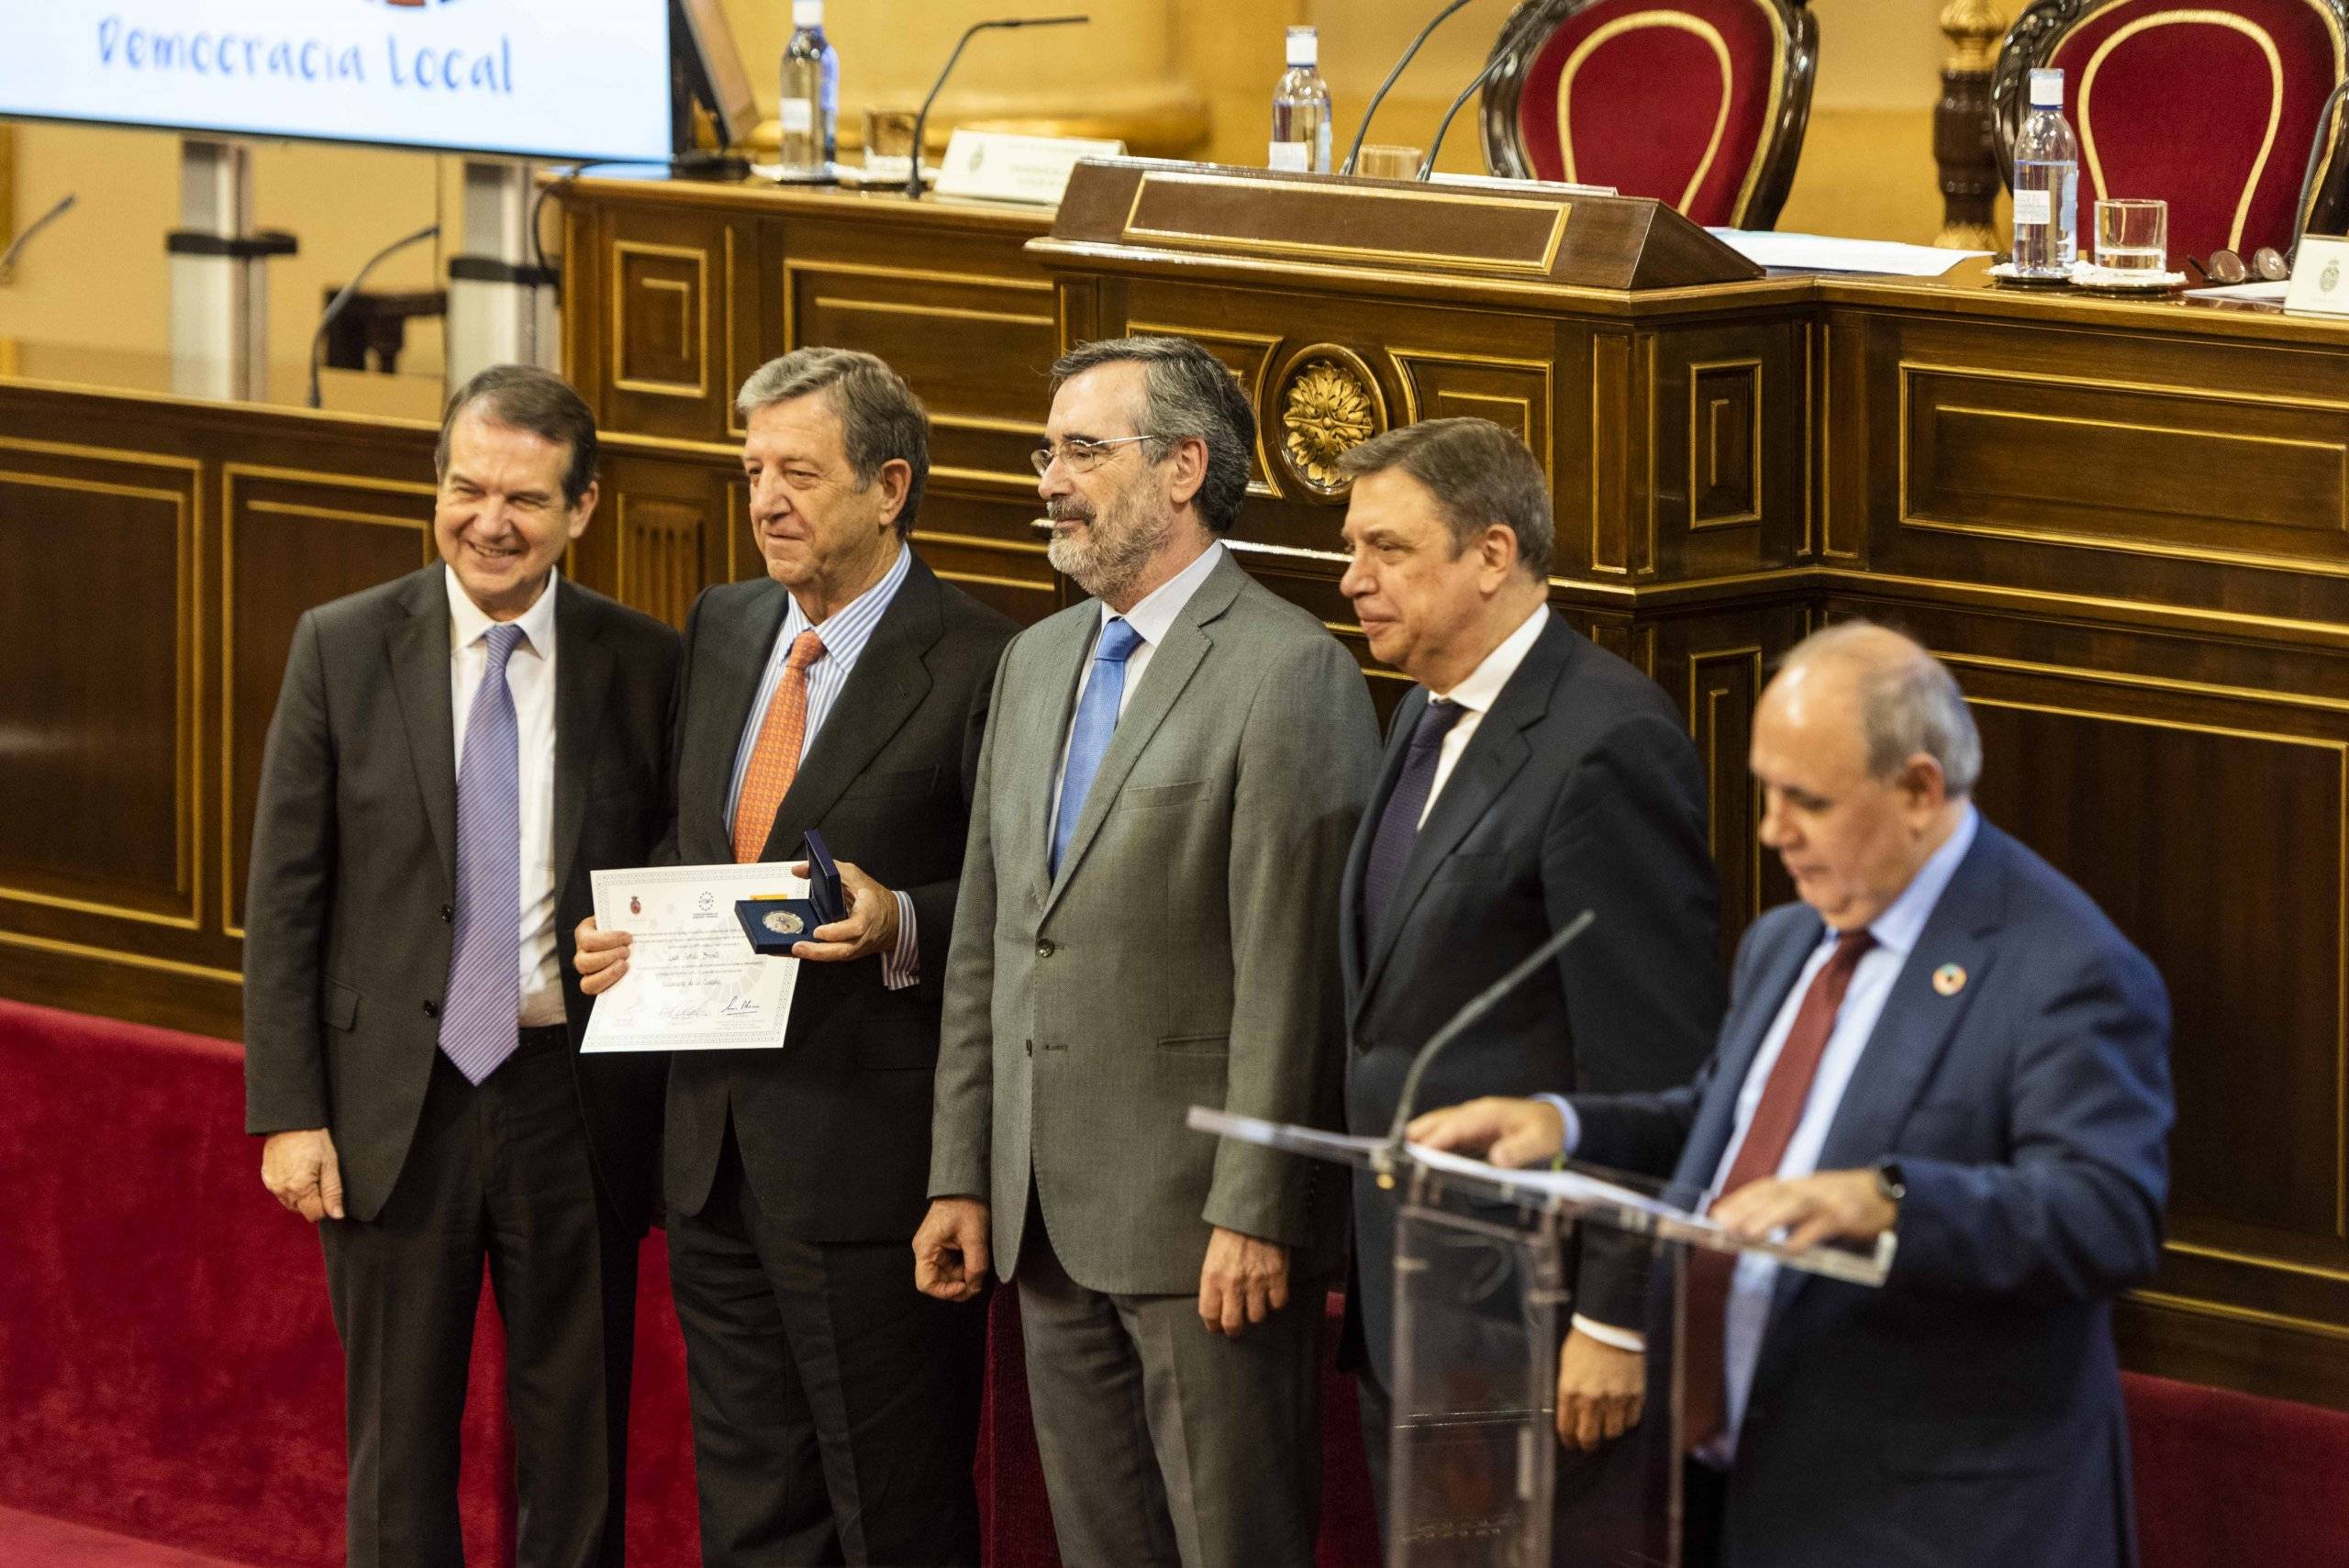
[809, 108]
[2047, 184]
[1301, 108]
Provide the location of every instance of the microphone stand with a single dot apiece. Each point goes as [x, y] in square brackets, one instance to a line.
[1379, 98]
[1503, 50]
[343, 298]
[921, 120]
[9, 257]
[1388, 1155]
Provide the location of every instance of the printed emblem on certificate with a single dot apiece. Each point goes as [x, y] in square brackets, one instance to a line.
[693, 982]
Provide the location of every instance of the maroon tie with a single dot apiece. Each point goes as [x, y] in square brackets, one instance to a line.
[1766, 1136]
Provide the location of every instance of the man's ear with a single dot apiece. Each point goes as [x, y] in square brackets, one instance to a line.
[1924, 788]
[586, 510]
[1188, 470]
[897, 481]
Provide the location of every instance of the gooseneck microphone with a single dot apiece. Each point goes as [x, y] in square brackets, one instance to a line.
[1383, 1159]
[913, 174]
[344, 295]
[1506, 48]
[9, 257]
[1379, 98]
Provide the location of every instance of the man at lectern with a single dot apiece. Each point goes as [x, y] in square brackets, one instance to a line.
[1944, 1040]
[451, 755]
[1529, 775]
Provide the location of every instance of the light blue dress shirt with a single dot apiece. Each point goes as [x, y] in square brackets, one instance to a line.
[845, 634]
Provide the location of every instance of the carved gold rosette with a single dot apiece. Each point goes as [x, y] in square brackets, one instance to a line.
[1329, 403]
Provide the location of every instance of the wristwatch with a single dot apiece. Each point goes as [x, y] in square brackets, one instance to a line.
[1890, 1185]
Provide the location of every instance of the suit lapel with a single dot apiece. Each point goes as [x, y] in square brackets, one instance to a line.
[1775, 973]
[1172, 665]
[417, 644]
[888, 684]
[1063, 645]
[582, 674]
[1352, 938]
[737, 663]
[1918, 1021]
[1494, 755]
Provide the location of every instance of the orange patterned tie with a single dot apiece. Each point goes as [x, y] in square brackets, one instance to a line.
[774, 760]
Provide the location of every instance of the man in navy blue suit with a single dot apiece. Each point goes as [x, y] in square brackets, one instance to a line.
[1946, 1040]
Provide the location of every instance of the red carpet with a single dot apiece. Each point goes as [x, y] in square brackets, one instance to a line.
[168, 1369]
[35, 1540]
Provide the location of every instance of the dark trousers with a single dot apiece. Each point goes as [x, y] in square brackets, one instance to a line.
[499, 1173]
[836, 1408]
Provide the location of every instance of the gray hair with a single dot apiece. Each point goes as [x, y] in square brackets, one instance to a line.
[1479, 474]
[537, 401]
[881, 419]
[1187, 392]
[1909, 701]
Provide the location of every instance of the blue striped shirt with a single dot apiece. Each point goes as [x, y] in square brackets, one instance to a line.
[845, 634]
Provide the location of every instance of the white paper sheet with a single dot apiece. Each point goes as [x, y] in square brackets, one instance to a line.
[1824, 253]
[693, 982]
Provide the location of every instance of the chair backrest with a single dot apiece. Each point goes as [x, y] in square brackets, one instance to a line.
[2209, 104]
[1698, 103]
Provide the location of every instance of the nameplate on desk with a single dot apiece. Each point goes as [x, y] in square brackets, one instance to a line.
[999, 166]
[2319, 276]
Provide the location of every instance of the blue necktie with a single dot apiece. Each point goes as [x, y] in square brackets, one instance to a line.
[1399, 825]
[479, 1020]
[1096, 720]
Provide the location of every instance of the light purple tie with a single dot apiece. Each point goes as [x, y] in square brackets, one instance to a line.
[480, 1019]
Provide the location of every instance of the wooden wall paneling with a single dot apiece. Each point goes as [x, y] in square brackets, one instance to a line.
[1729, 437]
[292, 538]
[100, 635]
[667, 525]
[669, 322]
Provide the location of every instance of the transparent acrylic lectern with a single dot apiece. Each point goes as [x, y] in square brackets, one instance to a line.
[1477, 1476]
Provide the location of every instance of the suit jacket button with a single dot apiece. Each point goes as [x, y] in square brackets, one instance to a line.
[432, 1009]
[447, 912]
[1045, 948]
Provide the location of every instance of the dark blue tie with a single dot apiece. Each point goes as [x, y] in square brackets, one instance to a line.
[1096, 720]
[479, 1019]
[1399, 825]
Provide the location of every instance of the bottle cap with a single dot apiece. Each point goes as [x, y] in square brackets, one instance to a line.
[806, 13]
[1303, 47]
[2047, 89]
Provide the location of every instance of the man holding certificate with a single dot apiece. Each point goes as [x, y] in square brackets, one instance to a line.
[843, 701]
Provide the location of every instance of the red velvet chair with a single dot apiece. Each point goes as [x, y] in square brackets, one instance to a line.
[2212, 106]
[1698, 103]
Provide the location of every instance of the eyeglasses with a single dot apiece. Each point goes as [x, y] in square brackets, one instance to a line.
[2227, 269]
[1079, 456]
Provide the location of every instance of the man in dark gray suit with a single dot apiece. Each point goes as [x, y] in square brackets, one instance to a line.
[451, 754]
[835, 1406]
[1148, 922]
[1529, 775]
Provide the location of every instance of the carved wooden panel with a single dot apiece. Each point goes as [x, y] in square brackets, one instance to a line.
[292, 539]
[2032, 457]
[1725, 450]
[99, 642]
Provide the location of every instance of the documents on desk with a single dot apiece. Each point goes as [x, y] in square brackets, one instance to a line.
[1824, 253]
[693, 982]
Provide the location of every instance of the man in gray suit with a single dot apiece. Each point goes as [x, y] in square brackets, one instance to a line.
[453, 754]
[1148, 921]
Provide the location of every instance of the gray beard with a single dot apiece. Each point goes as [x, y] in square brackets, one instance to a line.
[1111, 561]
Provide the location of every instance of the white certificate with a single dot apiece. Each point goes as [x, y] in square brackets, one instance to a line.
[693, 982]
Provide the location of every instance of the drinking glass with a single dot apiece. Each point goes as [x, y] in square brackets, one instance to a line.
[2133, 236]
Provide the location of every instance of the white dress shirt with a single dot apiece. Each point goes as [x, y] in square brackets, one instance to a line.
[1477, 694]
[1151, 620]
[530, 676]
[1896, 932]
[844, 632]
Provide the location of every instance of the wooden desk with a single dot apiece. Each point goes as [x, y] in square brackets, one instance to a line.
[2125, 526]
